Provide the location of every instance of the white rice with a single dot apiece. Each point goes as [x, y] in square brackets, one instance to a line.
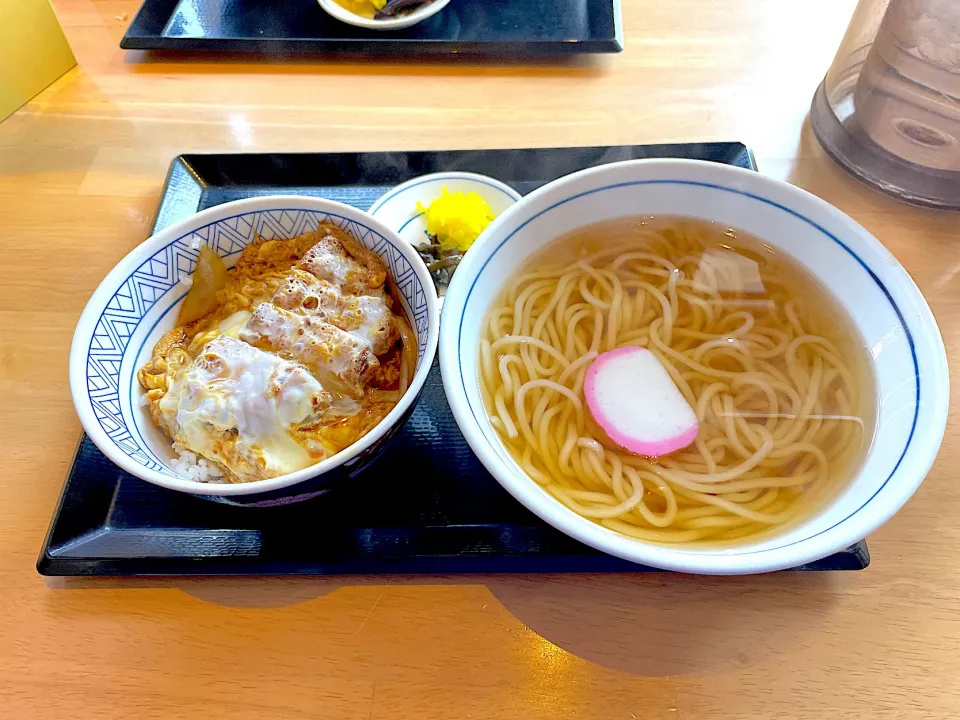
[186, 280]
[195, 243]
[144, 400]
[198, 469]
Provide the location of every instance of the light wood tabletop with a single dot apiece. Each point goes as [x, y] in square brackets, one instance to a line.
[81, 169]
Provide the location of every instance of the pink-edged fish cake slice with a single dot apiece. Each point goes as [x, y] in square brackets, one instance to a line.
[634, 399]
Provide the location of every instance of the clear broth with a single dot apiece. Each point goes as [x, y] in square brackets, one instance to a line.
[734, 273]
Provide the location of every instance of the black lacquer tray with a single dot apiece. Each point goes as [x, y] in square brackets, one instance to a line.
[426, 506]
[497, 28]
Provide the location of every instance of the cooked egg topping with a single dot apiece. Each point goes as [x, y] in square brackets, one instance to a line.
[301, 357]
[237, 404]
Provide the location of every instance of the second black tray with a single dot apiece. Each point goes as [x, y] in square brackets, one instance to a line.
[427, 506]
[497, 28]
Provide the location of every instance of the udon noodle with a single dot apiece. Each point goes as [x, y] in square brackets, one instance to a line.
[763, 355]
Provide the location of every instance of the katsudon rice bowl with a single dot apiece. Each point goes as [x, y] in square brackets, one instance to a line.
[256, 352]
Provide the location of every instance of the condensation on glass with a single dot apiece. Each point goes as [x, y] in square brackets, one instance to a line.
[888, 109]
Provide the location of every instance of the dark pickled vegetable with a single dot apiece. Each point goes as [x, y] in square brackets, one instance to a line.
[440, 262]
[398, 8]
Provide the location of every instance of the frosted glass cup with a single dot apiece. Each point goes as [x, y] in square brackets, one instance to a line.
[888, 109]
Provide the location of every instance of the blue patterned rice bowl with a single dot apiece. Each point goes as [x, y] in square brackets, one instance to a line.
[138, 302]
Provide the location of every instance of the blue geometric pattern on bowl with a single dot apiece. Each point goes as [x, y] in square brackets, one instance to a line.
[162, 272]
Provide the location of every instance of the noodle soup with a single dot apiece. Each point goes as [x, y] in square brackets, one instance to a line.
[769, 362]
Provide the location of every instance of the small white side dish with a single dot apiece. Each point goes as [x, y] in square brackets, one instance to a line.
[397, 208]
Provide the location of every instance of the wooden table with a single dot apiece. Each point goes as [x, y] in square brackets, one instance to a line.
[80, 173]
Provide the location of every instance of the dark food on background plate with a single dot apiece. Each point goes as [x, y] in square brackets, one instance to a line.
[396, 8]
[281, 362]
[382, 9]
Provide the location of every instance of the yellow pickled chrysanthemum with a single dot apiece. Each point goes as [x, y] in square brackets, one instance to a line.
[457, 219]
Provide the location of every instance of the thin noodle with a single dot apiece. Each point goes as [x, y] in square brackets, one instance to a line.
[778, 405]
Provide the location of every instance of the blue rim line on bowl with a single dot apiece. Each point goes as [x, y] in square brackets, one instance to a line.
[404, 226]
[772, 203]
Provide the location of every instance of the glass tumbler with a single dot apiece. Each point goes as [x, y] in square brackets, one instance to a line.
[888, 109]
